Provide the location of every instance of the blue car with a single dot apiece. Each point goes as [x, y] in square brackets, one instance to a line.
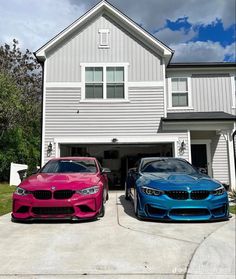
[172, 189]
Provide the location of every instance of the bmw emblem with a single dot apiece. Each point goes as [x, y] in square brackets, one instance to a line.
[53, 188]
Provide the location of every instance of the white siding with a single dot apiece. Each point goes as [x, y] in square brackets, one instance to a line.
[220, 159]
[63, 63]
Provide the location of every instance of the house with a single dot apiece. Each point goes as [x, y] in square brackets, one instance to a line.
[111, 91]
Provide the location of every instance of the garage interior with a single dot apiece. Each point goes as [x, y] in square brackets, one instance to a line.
[117, 157]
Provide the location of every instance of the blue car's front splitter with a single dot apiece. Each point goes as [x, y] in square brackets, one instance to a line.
[164, 208]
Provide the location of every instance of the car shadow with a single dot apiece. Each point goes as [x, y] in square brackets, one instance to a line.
[127, 206]
[54, 221]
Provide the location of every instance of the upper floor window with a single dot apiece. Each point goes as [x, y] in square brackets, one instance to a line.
[94, 82]
[104, 81]
[115, 82]
[179, 89]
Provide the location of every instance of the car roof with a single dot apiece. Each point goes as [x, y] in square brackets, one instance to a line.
[74, 158]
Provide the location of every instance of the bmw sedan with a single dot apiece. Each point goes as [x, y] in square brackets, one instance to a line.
[65, 188]
[172, 189]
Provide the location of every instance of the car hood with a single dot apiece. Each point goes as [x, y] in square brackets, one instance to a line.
[170, 181]
[71, 181]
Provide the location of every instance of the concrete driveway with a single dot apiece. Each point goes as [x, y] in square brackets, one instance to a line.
[117, 246]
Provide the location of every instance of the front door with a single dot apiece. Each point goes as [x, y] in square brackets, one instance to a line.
[199, 156]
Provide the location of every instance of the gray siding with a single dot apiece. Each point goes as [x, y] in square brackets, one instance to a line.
[212, 93]
[140, 116]
[220, 164]
[63, 64]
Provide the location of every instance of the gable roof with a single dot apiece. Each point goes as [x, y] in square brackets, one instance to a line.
[104, 6]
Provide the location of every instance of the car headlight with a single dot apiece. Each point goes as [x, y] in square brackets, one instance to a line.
[151, 191]
[89, 191]
[21, 192]
[219, 191]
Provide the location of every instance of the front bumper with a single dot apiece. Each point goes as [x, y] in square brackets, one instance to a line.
[164, 208]
[76, 208]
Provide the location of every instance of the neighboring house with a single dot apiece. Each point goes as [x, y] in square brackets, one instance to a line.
[111, 91]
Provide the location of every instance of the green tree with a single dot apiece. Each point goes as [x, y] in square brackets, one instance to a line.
[20, 108]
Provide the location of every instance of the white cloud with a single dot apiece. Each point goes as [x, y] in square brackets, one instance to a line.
[201, 52]
[34, 22]
[169, 36]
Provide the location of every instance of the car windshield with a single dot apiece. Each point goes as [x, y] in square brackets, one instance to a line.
[166, 165]
[70, 166]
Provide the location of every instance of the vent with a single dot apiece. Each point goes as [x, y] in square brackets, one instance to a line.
[199, 195]
[42, 195]
[103, 38]
[52, 210]
[177, 195]
[63, 194]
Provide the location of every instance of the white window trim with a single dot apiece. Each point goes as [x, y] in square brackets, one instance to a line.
[170, 93]
[207, 142]
[101, 44]
[233, 88]
[104, 66]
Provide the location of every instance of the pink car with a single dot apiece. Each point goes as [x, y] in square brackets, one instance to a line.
[65, 188]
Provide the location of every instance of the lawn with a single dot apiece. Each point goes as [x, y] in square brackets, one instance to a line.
[232, 209]
[5, 198]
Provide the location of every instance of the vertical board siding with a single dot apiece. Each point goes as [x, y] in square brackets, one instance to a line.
[211, 93]
[63, 64]
[220, 159]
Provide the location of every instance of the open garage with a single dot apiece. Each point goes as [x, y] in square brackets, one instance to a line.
[117, 157]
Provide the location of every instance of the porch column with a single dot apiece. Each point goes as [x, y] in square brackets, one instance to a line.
[231, 161]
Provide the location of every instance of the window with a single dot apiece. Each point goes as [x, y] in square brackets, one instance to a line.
[115, 82]
[103, 38]
[179, 91]
[94, 82]
[104, 82]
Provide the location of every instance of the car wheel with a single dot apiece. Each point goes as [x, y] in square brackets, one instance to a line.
[126, 192]
[102, 211]
[136, 203]
[107, 197]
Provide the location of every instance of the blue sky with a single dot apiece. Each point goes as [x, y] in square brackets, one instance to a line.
[197, 30]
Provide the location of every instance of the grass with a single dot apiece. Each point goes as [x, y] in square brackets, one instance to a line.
[6, 198]
[232, 209]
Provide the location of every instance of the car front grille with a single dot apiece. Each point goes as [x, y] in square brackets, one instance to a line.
[42, 194]
[184, 195]
[58, 195]
[189, 212]
[63, 194]
[199, 195]
[177, 195]
[52, 210]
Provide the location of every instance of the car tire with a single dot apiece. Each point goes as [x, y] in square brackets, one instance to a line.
[102, 211]
[126, 192]
[107, 197]
[136, 204]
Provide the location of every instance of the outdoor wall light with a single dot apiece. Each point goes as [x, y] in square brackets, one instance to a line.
[49, 150]
[114, 140]
[182, 147]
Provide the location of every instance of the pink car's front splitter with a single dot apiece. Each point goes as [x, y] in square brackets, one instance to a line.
[77, 208]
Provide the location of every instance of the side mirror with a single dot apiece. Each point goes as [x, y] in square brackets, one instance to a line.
[202, 170]
[36, 170]
[106, 170]
[133, 170]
